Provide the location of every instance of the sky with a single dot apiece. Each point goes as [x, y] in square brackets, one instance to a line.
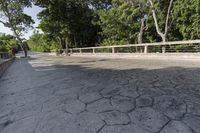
[30, 11]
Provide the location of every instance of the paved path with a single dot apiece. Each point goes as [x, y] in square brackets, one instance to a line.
[81, 95]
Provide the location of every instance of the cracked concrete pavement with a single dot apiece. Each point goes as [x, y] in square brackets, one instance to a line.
[47, 94]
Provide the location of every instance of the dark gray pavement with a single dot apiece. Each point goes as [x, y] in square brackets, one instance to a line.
[47, 94]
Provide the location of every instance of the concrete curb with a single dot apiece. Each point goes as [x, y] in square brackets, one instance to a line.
[4, 65]
[159, 56]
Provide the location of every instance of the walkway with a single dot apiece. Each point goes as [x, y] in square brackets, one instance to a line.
[48, 94]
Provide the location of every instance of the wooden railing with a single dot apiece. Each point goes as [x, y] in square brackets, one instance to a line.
[190, 46]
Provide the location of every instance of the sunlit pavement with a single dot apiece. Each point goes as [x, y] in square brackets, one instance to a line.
[47, 94]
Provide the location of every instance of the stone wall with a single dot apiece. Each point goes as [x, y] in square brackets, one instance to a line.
[4, 65]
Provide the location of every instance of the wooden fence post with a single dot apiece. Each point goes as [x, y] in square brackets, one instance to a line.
[163, 49]
[145, 49]
[93, 50]
[113, 50]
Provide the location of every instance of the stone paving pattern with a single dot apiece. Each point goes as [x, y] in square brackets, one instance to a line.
[48, 94]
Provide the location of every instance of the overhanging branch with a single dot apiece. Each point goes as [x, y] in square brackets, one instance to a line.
[155, 19]
[4, 23]
[167, 19]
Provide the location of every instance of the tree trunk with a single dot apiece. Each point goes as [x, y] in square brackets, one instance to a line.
[156, 22]
[162, 35]
[66, 45]
[163, 47]
[25, 50]
[62, 43]
[23, 47]
[59, 40]
[75, 42]
[140, 35]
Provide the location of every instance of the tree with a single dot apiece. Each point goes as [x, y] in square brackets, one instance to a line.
[13, 17]
[120, 23]
[69, 21]
[52, 20]
[162, 34]
[82, 23]
[143, 16]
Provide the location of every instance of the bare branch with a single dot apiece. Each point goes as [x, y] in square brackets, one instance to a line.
[155, 19]
[2, 22]
[167, 19]
[141, 31]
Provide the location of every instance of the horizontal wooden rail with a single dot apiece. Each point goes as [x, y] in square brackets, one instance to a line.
[145, 46]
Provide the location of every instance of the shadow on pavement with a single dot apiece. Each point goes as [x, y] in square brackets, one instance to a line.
[162, 99]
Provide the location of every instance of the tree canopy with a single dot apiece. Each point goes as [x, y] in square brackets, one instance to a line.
[82, 23]
[42, 43]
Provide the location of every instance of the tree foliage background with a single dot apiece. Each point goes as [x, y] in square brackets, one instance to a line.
[8, 43]
[84, 23]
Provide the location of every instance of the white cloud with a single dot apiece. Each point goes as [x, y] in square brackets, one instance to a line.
[5, 30]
